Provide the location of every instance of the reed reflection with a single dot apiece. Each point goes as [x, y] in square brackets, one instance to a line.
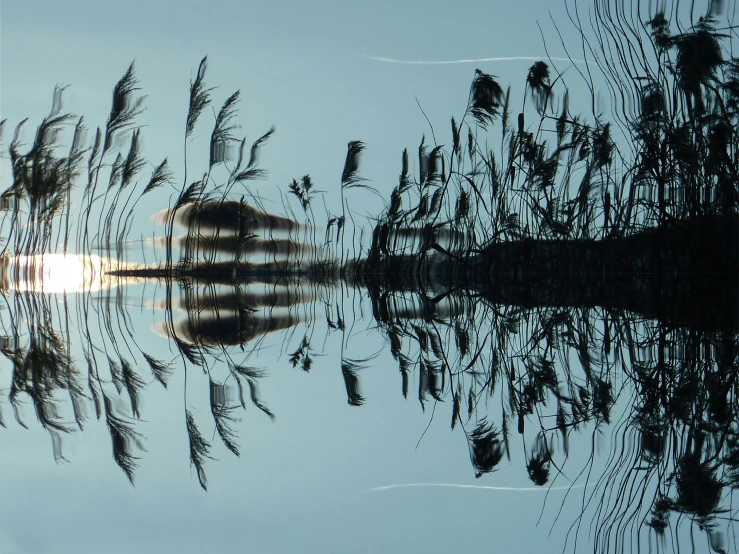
[234, 316]
[520, 383]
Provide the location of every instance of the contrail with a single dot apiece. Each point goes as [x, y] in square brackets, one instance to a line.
[459, 486]
[471, 60]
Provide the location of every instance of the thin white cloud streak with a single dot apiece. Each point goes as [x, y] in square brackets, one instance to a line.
[471, 60]
[482, 487]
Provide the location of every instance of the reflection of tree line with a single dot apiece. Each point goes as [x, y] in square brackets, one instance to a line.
[553, 372]
[38, 346]
[500, 374]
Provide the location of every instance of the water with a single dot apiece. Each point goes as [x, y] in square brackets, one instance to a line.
[315, 423]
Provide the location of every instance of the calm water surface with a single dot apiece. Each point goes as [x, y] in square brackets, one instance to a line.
[294, 417]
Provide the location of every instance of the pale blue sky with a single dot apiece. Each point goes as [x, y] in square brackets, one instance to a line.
[299, 66]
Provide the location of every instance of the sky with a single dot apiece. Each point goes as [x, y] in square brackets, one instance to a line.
[304, 68]
[307, 69]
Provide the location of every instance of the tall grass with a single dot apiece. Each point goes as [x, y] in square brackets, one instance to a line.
[559, 176]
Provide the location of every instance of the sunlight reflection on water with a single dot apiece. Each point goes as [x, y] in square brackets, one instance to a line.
[60, 273]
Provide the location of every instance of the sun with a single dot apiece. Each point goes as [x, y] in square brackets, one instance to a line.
[57, 273]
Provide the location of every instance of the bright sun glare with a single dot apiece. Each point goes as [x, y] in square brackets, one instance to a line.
[57, 273]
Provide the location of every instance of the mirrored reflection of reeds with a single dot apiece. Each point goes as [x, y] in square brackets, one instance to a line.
[520, 383]
[225, 316]
[106, 373]
[533, 379]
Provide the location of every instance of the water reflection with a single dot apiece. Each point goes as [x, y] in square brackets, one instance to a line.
[236, 327]
[61, 273]
[521, 384]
